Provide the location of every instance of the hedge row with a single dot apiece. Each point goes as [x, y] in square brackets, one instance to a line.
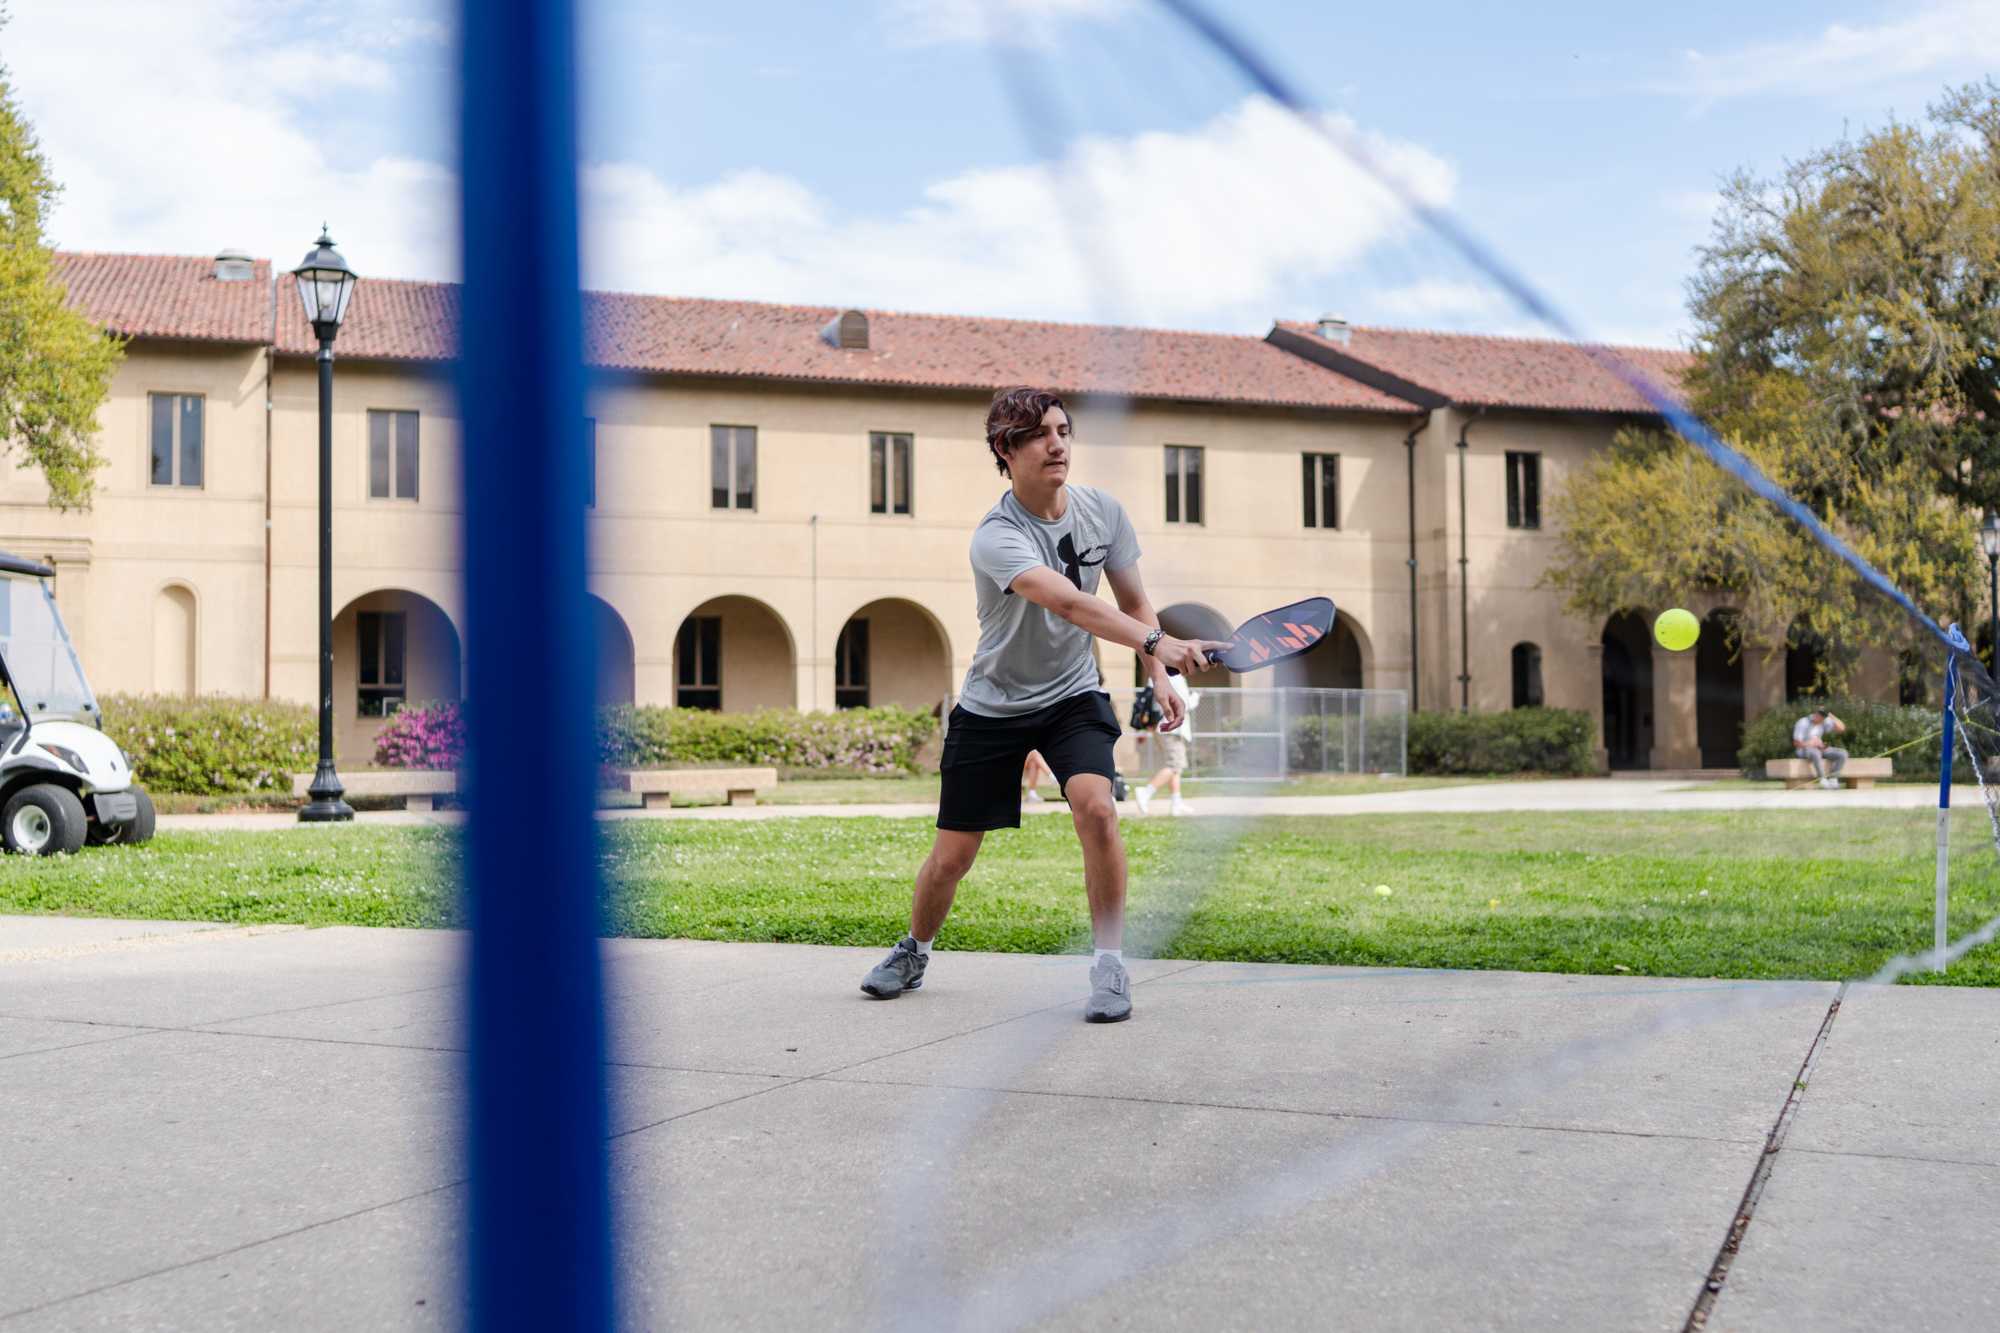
[212, 745]
[1521, 740]
[1872, 728]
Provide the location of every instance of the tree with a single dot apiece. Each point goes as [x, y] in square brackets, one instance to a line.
[55, 365]
[1848, 341]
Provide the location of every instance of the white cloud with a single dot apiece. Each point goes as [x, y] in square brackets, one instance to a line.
[1022, 22]
[1210, 228]
[1443, 299]
[1932, 42]
[179, 128]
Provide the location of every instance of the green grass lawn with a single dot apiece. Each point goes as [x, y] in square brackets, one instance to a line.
[1754, 894]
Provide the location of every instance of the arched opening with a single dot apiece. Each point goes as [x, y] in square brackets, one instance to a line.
[174, 640]
[891, 651]
[1527, 668]
[1192, 620]
[392, 649]
[1913, 685]
[1718, 691]
[1341, 663]
[734, 654]
[1627, 672]
[615, 659]
[1805, 663]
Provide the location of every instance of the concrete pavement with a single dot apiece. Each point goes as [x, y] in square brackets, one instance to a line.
[1603, 794]
[215, 1128]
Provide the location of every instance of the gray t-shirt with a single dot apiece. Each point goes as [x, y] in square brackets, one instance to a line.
[1029, 657]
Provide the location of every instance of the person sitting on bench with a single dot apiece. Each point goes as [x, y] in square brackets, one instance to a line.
[1809, 735]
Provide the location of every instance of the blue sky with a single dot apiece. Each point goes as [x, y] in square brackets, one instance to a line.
[876, 152]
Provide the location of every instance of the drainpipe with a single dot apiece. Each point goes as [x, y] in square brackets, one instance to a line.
[812, 662]
[1464, 580]
[1410, 476]
[270, 364]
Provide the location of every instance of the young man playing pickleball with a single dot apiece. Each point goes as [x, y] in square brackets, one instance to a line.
[1033, 685]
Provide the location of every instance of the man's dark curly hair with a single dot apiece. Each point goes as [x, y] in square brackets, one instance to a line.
[1016, 415]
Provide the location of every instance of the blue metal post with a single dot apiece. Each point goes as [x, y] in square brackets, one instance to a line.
[540, 1214]
[1943, 883]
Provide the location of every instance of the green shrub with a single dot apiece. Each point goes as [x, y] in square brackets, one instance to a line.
[1521, 740]
[1871, 729]
[857, 740]
[1336, 744]
[211, 745]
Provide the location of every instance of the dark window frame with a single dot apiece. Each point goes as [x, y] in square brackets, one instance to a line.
[1319, 477]
[381, 656]
[850, 665]
[1524, 489]
[1186, 473]
[399, 445]
[698, 663]
[1527, 671]
[892, 469]
[726, 464]
[178, 453]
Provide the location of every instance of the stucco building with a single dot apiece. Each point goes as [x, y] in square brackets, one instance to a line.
[782, 499]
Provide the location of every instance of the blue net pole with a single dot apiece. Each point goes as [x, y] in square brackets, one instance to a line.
[539, 1232]
[1939, 940]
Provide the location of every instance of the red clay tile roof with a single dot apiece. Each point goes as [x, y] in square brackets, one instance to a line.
[168, 296]
[651, 333]
[1474, 370]
[388, 320]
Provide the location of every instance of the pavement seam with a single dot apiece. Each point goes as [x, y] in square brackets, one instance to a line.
[1896, 1157]
[207, 1024]
[73, 1045]
[1284, 1110]
[138, 943]
[1760, 1175]
[225, 1253]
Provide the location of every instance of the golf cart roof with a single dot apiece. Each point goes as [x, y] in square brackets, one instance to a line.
[14, 564]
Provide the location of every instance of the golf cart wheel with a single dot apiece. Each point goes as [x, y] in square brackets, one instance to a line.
[43, 819]
[139, 828]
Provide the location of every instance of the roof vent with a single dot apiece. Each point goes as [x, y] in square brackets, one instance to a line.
[1334, 328]
[234, 266]
[848, 329]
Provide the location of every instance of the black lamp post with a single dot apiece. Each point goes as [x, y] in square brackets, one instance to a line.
[326, 285]
[1989, 542]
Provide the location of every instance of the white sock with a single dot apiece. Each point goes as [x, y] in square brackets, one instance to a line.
[1146, 792]
[1116, 955]
[923, 946]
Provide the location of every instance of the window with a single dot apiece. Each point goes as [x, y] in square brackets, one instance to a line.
[392, 455]
[590, 463]
[1524, 490]
[698, 663]
[1322, 490]
[889, 473]
[177, 438]
[1527, 676]
[1183, 483]
[381, 642]
[732, 467]
[850, 666]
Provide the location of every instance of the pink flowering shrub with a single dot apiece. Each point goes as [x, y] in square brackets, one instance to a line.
[430, 735]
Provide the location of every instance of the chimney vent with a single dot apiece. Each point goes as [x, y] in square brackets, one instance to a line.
[847, 330]
[1334, 329]
[234, 266]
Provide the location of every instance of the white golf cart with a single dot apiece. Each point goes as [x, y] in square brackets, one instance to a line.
[63, 782]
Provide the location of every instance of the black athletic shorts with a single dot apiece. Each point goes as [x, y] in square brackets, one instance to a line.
[983, 757]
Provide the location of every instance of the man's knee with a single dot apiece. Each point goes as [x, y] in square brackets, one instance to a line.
[952, 857]
[1091, 806]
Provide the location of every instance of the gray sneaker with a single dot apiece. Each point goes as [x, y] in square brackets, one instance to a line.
[902, 970]
[1110, 993]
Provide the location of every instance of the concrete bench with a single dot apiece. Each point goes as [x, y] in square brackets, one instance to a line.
[419, 787]
[1859, 773]
[657, 786]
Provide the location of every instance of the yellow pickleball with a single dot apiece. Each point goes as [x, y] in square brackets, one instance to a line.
[1677, 630]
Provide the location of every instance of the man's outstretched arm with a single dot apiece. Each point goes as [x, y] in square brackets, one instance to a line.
[1046, 588]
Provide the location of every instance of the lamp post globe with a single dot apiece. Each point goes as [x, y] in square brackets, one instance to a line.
[326, 287]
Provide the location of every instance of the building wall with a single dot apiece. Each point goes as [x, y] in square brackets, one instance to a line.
[810, 555]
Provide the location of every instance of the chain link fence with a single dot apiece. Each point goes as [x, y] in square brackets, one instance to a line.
[1273, 734]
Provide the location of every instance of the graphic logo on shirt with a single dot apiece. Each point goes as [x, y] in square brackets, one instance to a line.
[1074, 564]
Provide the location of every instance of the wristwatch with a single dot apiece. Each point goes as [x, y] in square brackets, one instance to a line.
[1153, 641]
